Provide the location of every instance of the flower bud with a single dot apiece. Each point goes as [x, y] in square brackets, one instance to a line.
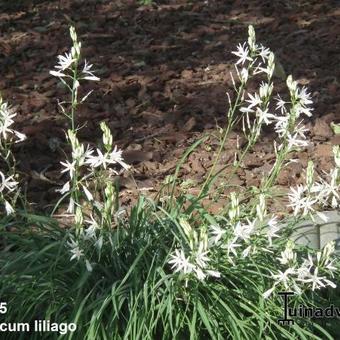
[310, 175]
[108, 203]
[292, 86]
[234, 211]
[186, 227]
[251, 38]
[328, 250]
[107, 136]
[261, 208]
[78, 219]
[336, 153]
[271, 65]
[244, 75]
[73, 34]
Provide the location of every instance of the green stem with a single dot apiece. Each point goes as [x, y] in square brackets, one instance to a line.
[229, 127]
[74, 95]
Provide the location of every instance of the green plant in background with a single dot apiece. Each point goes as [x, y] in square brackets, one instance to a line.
[169, 268]
[145, 2]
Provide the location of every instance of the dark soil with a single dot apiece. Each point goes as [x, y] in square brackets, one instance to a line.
[164, 73]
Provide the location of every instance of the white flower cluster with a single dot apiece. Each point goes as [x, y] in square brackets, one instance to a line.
[256, 59]
[306, 275]
[197, 262]
[89, 238]
[248, 230]
[6, 121]
[305, 199]
[103, 213]
[84, 156]
[8, 184]
[77, 253]
[238, 240]
[285, 124]
[243, 235]
[69, 62]
[235, 238]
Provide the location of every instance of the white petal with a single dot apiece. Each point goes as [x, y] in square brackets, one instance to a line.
[88, 266]
[64, 189]
[9, 208]
[57, 74]
[267, 293]
[87, 193]
[214, 273]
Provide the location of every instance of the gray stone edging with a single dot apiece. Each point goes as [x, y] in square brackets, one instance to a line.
[318, 234]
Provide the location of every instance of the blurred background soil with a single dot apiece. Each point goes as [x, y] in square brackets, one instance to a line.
[164, 72]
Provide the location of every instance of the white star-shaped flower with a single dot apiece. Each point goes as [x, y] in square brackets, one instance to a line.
[87, 73]
[180, 262]
[243, 54]
[7, 183]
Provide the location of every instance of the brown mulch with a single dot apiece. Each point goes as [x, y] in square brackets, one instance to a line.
[164, 73]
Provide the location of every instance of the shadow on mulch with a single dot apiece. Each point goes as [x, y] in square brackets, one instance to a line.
[164, 73]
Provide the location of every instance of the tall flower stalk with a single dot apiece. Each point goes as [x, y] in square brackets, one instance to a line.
[8, 177]
[69, 73]
[255, 59]
[92, 197]
[247, 231]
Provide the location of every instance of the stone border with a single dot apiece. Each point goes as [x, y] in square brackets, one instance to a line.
[316, 235]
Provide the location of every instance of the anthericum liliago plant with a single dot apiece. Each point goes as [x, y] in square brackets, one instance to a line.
[247, 230]
[87, 166]
[169, 268]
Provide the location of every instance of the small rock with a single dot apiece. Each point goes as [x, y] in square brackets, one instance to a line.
[190, 124]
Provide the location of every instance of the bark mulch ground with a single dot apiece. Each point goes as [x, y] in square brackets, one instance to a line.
[164, 73]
